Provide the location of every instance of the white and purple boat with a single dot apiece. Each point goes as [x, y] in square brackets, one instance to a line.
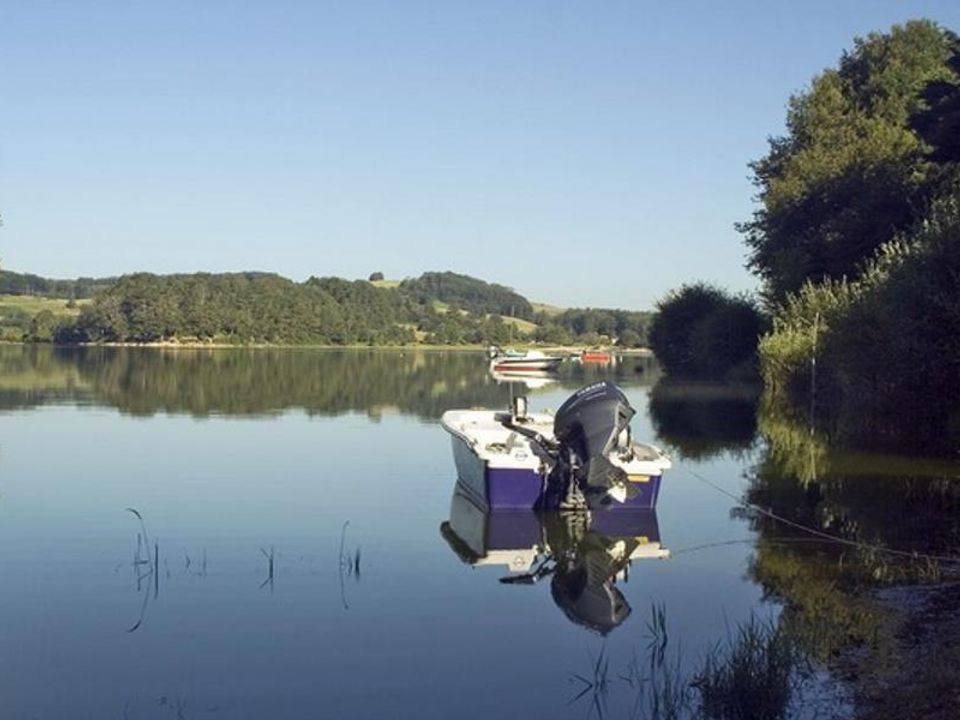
[581, 458]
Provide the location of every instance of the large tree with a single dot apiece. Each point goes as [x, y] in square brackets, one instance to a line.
[851, 171]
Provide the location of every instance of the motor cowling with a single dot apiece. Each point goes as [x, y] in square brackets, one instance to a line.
[588, 427]
[592, 419]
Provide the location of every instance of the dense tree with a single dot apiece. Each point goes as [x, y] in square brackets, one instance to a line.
[241, 307]
[939, 123]
[613, 324]
[42, 327]
[700, 330]
[857, 242]
[850, 172]
[887, 345]
[630, 339]
[264, 308]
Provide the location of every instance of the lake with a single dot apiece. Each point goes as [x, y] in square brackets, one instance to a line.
[266, 533]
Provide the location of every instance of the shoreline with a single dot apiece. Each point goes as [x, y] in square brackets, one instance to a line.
[198, 345]
[923, 625]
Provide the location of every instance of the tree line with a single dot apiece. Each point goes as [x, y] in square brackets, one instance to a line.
[251, 308]
[12, 283]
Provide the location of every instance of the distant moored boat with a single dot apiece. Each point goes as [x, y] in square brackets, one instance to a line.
[516, 361]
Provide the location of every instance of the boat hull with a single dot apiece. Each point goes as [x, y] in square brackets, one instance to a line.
[496, 487]
[515, 538]
[511, 365]
[511, 488]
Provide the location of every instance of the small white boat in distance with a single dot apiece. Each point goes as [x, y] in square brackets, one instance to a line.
[512, 361]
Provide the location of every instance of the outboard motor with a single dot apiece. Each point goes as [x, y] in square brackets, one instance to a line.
[590, 425]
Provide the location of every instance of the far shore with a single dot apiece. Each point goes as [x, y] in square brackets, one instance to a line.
[199, 345]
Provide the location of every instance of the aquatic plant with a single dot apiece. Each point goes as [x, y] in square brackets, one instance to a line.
[597, 684]
[151, 572]
[270, 556]
[348, 564]
[752, 676]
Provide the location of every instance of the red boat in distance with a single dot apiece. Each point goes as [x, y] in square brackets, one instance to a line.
[595, 356]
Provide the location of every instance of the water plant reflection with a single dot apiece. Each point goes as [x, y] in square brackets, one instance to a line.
[584, 554]
[878, 519]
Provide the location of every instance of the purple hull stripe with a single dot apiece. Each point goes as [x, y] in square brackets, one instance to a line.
[628, 522]
[512, 488]
[508, 529]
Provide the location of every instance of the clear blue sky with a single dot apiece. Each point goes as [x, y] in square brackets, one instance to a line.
[584, 153]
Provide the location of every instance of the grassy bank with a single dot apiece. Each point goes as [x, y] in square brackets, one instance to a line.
[18, 313]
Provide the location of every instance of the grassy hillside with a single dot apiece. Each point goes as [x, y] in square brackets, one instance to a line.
[32, 305]
[385, 284]
[17, 313]
[523, 326]
[548, 310]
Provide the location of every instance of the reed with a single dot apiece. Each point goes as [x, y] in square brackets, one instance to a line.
[142, 557]
[596, 684]
[270, 556]
[751, 676]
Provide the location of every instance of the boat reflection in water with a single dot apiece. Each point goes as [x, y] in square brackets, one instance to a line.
[583, 554]
[532, 379]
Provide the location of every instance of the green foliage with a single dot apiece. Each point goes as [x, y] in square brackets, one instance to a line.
[553, 333]
[887, 346]
[42, 327]
[467, 293]
[12, 283]
[242, 308]
[590, 325]
[630, 339]
[32, 318]
[939, 122]
[375, 276]
[701, 331]
[857, 242]
[851, 171]
[752, 676]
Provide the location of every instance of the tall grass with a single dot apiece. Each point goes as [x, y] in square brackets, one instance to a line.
[752, 675]
[886, 346]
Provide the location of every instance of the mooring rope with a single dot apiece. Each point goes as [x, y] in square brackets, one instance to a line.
[913, 555]
[740, 541]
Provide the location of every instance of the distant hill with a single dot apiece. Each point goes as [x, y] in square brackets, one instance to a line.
[13, 283]
[468, 293]
[257, 307]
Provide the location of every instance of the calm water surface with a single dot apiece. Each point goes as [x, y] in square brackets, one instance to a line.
[331, 468]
